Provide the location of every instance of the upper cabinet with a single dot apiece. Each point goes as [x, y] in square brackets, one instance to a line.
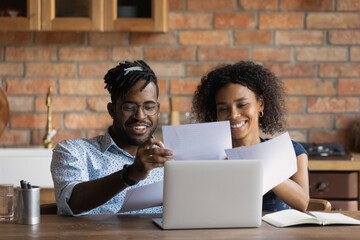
[21, 15]
[84, 15]
[135, 15]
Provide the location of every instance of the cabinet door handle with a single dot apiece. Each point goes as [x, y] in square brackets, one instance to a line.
[321, 186]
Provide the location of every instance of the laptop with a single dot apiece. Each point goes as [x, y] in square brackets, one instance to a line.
[212, 194]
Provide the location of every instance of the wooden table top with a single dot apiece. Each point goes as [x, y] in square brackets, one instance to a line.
[141, 227]
[336, 165]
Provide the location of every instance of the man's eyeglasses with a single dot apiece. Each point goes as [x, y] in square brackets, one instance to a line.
[149, 109]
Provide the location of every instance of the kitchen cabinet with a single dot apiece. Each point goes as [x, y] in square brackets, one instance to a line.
[84, 15]
[20, 15]
[337, 181]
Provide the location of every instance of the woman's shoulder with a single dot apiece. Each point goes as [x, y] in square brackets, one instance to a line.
[299, 149]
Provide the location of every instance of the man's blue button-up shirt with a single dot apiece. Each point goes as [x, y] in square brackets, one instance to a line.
[80, 160]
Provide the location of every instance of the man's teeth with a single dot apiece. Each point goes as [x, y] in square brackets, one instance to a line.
[140, 127]
[238, 125]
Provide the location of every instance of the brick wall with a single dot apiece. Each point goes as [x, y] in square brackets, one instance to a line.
[313, 46]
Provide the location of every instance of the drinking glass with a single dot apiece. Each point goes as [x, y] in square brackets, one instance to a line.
[6, 202]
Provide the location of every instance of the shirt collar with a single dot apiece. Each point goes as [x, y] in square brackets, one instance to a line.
[108, 142]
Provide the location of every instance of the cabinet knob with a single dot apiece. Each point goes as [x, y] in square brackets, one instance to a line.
[321, 186]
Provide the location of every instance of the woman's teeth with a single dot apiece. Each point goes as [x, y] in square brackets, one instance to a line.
[239, 125]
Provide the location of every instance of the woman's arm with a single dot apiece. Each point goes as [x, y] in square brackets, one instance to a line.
[295, 190]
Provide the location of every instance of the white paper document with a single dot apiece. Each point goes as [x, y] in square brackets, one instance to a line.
[143, 197]
[278, 155]
[198, 141]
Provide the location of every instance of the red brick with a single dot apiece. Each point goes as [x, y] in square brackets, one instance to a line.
[292, 70]
[176, 4]
[95, 69]
[20, 103]
[345, 121]
[108, 38]
[308, 121]
[258, 4]
[306, 5]
[183, 86]
[342, 137]
[272, 54]
[87, 121]
[206, 38]
[9, 38]
[126, 53]
[355, 53]
[349, 86]
[60, 38]
[82, 87]
[235, 20]
[168, 69]
[199, 69]
[252, 38]
[152, 38]
[98, 104]
[180, 20]
[169, 54]
[84, 53]
[280, 20]
[11, 69]
[29, 86]
[186, 103]
[333, 104]
[14, 137]
[211, 5]
[38, 136]
[344, 37]
[164, 104]
[348, 5]
[33, 120]
[332, 20]
[295, 104]
[308, 87]
[321, 54]
[162, 86]
[223, 54]
[30, 53]
[298, 136]
[61, 104]
[299, 38]
[94, 133]
[62, 135]
[50, 69]
[339, 70]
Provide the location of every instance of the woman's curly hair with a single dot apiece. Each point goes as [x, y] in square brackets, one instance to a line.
[253, 76]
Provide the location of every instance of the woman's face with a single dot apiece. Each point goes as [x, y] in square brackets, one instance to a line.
[238, 104]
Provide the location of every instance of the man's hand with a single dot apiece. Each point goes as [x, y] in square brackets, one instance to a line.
[148, 158]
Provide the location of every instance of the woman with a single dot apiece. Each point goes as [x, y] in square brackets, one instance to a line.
[251, 98]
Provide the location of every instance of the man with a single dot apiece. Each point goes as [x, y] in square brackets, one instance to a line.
[90, 175]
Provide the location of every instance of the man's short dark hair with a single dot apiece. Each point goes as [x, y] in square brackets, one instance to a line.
[120, 79]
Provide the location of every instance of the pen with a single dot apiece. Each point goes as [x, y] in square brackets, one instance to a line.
[29, 186]
[23, 184]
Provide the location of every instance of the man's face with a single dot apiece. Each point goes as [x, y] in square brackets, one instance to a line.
[132, 125]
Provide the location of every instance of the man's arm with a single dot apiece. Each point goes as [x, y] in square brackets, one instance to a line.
[91, 194]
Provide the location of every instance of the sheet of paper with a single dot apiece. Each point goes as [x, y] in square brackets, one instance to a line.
[278, 155]
[198, 141]
[143, 197]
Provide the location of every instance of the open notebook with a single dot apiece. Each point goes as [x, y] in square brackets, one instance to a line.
[212, 194]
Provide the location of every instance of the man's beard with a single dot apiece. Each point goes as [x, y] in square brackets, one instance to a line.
[126, 139]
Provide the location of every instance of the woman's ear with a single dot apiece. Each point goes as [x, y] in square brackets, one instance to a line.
[111, 109]
[261, 104]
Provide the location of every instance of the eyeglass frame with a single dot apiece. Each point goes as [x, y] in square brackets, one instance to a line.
[142, 106]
